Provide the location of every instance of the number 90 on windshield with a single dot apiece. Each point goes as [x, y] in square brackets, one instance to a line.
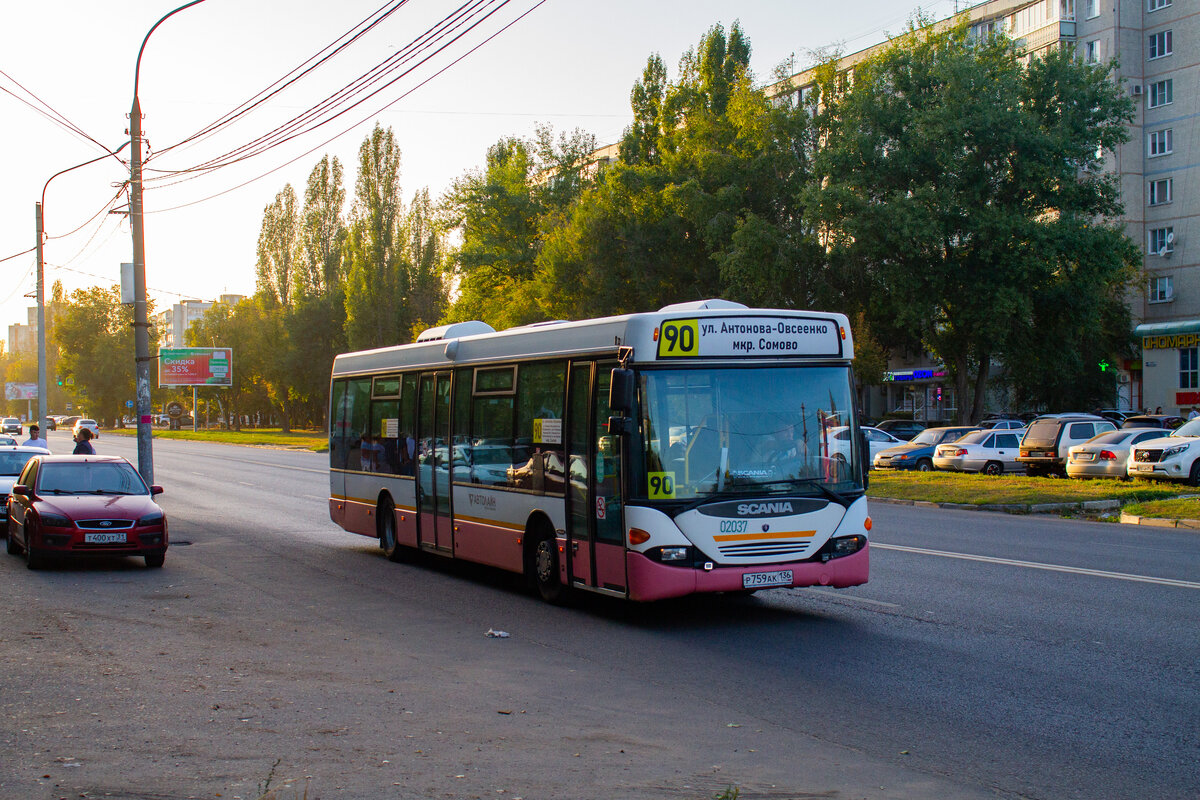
[679, 338]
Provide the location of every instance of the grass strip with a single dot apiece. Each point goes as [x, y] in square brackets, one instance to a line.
[977, 489]
[260, 437]
[1185, 508]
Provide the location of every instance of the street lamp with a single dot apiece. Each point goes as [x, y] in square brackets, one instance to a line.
[141, 325]
[41, 283]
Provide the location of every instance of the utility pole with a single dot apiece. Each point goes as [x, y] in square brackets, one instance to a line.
[41, 305]
[141, 325]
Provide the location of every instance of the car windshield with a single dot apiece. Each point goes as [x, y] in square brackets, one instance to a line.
[927, 436]
[975, 437]
[1188, 429]
[747, 431]
[90, 477]
[13, 461]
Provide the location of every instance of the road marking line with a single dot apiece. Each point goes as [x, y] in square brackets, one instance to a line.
[850, 598]
[1097, 573]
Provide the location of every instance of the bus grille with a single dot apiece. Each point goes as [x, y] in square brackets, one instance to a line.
[765, 549]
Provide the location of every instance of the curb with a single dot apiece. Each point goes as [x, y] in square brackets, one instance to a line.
[1158, 522]
[1045, 508]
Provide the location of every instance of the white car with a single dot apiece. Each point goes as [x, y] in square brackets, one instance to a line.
[1106, 455]
[992, 452]
[877, 441]
[12, 461]
[90, 424]
[1172, 457]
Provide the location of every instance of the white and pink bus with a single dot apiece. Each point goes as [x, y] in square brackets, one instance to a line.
[643, 456]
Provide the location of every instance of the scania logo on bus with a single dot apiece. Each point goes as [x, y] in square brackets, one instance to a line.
[764, 509]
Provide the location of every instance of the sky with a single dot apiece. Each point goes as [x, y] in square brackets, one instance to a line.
[559, 62]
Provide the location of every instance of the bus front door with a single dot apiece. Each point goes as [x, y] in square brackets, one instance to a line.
[595, 524]
[435, 452]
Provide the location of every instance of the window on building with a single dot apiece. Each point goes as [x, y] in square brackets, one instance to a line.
[1066, 9]
[1160, 45]
[1160, 191]
[1155, 5]
[1161, 240]
[1161, 142]
[1091, 51]
[1162, 93]
[1093, 8]
[1189, 368]
[1162, 289]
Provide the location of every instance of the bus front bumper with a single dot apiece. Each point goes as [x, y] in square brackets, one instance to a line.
[650, 580]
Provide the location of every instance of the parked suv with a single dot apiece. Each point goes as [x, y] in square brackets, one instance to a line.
[11, 425]
[1175, 456]
[1044, 449]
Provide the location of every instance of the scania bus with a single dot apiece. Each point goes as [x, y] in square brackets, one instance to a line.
[643, 456]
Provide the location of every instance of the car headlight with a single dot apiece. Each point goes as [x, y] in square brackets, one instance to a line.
[153, 518]
[901, 457]
[1174, 451]
[55, 521]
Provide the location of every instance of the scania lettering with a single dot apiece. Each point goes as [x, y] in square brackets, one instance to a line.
[643, 456]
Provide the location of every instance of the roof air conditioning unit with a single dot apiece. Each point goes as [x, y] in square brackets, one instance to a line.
[1137, 90]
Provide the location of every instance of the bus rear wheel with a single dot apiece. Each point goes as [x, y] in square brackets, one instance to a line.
[545, 570]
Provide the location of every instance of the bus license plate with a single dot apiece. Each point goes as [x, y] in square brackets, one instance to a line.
[755, 580]
[104, 538]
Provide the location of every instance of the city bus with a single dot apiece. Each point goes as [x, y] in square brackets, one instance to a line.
[645, 456]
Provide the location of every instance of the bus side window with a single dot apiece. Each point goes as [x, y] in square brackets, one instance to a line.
[357, 420]
[338, 423]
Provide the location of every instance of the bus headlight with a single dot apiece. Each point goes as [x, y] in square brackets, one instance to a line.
[843, 546]
[674, 554]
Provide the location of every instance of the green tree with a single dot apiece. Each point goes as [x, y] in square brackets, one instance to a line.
[968, 185]
[376, 310]
[94, 332]
[322, 233]
[278, 247]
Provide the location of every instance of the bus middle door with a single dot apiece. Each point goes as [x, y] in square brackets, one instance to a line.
[434, 456]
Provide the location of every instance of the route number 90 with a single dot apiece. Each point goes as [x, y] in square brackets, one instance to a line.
[679, 338]
[662, 485]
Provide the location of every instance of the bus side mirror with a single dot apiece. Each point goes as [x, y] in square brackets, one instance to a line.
[621, 392]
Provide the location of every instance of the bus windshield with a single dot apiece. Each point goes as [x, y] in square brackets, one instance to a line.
[711, 432]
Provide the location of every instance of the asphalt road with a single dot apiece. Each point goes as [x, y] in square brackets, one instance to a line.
[989, 656]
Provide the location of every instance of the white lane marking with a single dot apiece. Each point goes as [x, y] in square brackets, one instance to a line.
[1096, 573]
[851, 598]
[243, 483]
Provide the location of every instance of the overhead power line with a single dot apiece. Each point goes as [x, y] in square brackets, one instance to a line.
[358, 122]
[48, 111]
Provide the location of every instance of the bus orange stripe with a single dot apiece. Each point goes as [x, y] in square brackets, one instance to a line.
[749, 537]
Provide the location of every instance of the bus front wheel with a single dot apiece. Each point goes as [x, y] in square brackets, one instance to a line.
[545, 570]
[388, 541]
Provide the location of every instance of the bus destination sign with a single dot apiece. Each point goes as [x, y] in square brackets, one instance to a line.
[723, 337]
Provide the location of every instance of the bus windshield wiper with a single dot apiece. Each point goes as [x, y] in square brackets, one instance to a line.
[836, 497]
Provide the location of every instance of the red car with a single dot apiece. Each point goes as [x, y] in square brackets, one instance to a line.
[84, 506]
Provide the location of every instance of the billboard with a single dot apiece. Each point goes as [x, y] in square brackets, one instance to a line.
[20, 391]
[195, 366]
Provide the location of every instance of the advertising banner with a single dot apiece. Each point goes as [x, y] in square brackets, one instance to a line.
[20, 391]
[195, 366]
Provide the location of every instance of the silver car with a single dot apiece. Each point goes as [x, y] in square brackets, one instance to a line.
[992, 452]
[1106, 455]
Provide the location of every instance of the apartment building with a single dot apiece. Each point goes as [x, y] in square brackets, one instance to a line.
[1157, 46]
[173, 323]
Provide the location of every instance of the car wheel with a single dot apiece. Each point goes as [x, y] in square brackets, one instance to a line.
[155, 561]
[545, 570]
[1194, 474]
[993, 468]
[924, 465]
[33, 558]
